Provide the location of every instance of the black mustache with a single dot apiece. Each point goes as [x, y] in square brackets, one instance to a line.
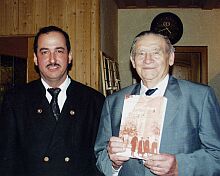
[55, 64]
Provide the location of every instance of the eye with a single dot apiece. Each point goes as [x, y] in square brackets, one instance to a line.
[140, 53]
[44, 52]
[156, 53]
[60, 51]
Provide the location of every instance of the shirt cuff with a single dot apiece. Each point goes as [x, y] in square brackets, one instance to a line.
[115, 171]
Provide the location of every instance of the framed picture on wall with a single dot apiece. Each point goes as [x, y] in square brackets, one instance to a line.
[110, 74]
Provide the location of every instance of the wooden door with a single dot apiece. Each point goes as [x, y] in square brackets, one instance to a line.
[32, 71]
[190, 64]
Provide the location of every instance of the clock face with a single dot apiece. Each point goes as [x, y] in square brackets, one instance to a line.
[168, 24]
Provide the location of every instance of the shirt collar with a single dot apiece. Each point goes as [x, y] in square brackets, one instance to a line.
[63, 86]
[162, 85]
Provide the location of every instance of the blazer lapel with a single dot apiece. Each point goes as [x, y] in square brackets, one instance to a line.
[136, 89]
[174, 96]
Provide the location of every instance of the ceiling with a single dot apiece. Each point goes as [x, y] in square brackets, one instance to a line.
[143, 4]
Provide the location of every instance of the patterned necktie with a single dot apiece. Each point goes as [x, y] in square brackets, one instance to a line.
[149, 92]
[54, 103]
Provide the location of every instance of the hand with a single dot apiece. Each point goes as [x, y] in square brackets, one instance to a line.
[116, 145]
[162, 164]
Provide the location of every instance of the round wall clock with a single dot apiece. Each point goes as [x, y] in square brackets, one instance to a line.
[168, 24]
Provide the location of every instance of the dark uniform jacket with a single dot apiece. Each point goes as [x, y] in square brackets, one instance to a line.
[33, 143]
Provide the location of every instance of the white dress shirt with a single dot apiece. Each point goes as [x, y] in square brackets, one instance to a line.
[161, 87]
[62, 95]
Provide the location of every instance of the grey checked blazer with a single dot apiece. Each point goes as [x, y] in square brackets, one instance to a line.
[191, 130]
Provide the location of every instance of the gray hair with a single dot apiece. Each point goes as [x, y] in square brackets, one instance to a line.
[170, 47]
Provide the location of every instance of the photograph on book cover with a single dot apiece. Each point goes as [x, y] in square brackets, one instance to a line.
[141, 125]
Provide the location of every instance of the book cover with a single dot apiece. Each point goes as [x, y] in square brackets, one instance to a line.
[141, 125]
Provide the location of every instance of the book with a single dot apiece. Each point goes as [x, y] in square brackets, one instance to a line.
[141, 125]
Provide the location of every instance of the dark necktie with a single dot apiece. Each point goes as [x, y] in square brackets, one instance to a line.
[149, 92]
[54, 103]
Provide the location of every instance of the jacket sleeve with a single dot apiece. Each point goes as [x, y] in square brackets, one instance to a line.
[104, 133]
[204, 161]
[10, 163]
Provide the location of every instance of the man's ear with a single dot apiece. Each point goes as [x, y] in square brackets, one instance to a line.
[132, 61]
[35, 59]
[171, 58]
[70, 57]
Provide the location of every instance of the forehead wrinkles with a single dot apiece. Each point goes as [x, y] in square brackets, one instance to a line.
[151, 42]
[149, 48]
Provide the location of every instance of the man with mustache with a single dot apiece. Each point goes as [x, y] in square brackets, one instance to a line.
[39, 139]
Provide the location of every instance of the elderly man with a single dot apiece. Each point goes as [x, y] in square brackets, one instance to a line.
[190, 143]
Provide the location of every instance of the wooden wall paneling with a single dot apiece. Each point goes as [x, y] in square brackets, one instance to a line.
[95, 45]
[40, 14]
[56, 11]
[87, 43]
[80, 18]
[26, 15]
[80, 37]
[11, 17]
[65, 13]
[70, 26]
[2, 16]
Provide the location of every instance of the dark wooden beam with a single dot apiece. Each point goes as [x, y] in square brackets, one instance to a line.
[130, 4]
[184, 3]
[203, 4]
[209, 4]
[141, 3]
[120, 4]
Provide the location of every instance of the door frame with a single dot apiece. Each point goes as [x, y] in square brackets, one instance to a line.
[203, 50]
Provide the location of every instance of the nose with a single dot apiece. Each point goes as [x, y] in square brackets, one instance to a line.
[52, 57]
[148, 58]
